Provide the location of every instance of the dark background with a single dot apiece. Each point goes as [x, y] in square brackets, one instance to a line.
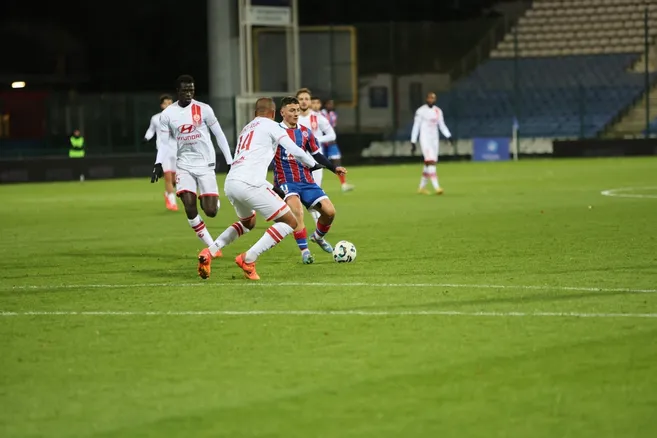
[144, 45]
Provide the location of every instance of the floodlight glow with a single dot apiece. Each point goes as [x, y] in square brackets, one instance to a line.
[18, 84]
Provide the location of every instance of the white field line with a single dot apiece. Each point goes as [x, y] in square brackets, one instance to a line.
[331, 313]
[331, 285]
[623, 192]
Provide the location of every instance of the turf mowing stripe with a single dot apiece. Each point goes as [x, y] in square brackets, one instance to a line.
[330, 313]
[327, 284]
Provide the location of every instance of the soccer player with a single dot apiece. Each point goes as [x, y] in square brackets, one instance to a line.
[297, 184]
[331, 150]
[169, 162]
[428, 119]
[186, 124]
[319, 126]
[249, 192]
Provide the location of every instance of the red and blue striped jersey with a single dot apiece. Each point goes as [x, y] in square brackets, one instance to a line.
[331, 116]
[286, 168]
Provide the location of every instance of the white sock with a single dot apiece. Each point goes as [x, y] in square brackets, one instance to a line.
[198, 226]
[425, 174]
[434, 177]
[228, 236]
[273, 235]
[315, 214]
[171, 197]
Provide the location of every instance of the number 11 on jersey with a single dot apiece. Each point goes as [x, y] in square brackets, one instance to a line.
[244, 142]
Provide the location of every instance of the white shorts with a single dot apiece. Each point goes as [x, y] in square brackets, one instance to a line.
[249, 199]
[169, 164]
[203, 184]
[430, 152]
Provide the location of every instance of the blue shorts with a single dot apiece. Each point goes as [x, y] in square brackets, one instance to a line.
[332, 151]
[309, 194]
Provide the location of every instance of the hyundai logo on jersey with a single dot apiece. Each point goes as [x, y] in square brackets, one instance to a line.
[490, 149]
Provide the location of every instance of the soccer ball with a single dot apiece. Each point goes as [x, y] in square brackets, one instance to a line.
[344, 252]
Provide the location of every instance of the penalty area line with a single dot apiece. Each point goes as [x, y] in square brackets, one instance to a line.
[446, 313]
[334, 285]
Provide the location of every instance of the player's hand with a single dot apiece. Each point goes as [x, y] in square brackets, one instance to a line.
[228, 166]
[450, 141]
[158, 172]
[144, 140]
[413, 148]
[340, 171]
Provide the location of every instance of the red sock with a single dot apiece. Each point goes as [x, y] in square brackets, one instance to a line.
[322, 230]
[343, 179]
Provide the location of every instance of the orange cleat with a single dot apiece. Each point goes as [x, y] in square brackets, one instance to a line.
[248, 268]
[204, 264]
[170, 205]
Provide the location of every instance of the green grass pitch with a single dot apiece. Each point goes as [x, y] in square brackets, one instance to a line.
[522, 303]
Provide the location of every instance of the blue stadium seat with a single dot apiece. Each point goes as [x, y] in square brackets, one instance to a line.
[565, 96]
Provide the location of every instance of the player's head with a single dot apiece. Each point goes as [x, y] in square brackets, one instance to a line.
[290, 111]
[185, 89]
[303, 96]
[265, 107]
[431, 99]
[329, 105]
[165, 101]
[315, 103]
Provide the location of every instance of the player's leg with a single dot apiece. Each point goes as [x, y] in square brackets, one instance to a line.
[336, 158]
[431, 156]
[319, 201]
[300, 234]
[318, 176]
[187, 184]
[326, 217]
[209, 200]
[237, 229]
[266, 202]
[169, 168]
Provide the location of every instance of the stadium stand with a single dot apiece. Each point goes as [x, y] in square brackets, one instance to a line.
[574, 68]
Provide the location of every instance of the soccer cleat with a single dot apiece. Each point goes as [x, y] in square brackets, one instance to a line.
[347, 187]
[322, 243]
[170, 205]
[204, 263]
[423, 191]
[248, 268]
[217, 254]
[439, 191]
[307, 258]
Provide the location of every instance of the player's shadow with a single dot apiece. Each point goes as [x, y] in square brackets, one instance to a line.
[450, 304]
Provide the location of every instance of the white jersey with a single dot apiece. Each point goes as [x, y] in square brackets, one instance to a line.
[428, 120]
[255, 150]
[319, 126]
[188, 130]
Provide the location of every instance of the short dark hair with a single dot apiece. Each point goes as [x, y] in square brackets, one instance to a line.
[302, 91]
[264, 105]
[289, 100]
[165, 97]
[315, 98]
[184, 79]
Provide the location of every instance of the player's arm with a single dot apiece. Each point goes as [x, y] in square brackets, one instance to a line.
[163, 142]
[328, 133]
[443, 127]
[321, 158]
[150, 132]
[212, 123]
